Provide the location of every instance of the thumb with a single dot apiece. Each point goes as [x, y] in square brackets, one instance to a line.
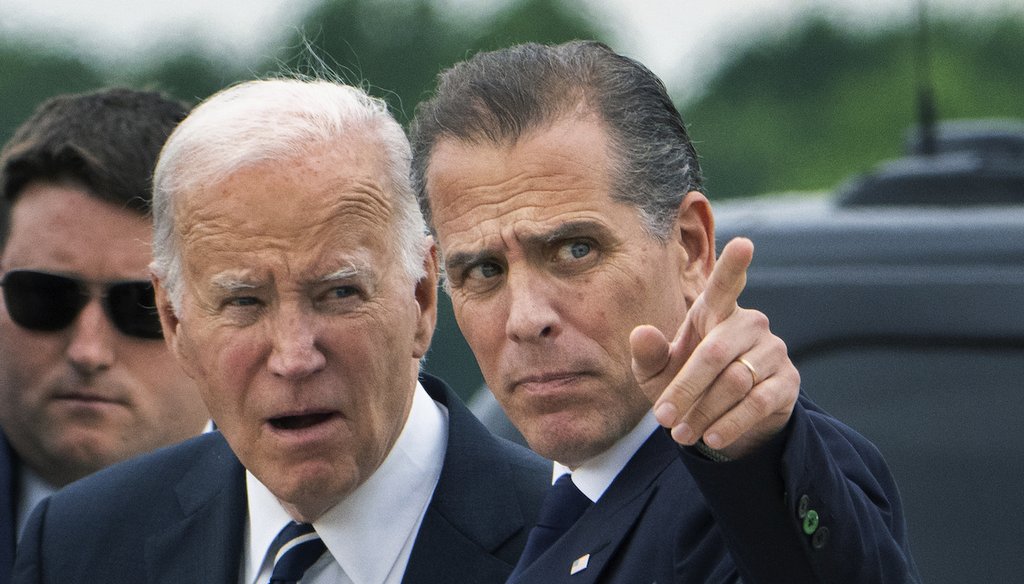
[650, 351]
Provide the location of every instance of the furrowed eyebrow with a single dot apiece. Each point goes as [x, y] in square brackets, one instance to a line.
[568, 230]
[459, 260]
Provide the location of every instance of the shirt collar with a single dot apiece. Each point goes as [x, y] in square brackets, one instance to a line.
[594, 476]
[368, 531]
[32, 489]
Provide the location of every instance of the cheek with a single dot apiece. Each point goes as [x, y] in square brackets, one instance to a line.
[653, 296]
[153, 360]
[156, 367]
[28, 358]
[483, 326]
[216, 362]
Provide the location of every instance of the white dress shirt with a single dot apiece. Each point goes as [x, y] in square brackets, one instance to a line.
[370, 533]
[32, 489]
[594, 476]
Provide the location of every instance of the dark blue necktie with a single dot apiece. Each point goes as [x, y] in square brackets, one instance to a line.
[563, 505]
[298, 547]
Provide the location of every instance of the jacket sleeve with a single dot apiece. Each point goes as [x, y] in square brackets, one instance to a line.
[815, 504]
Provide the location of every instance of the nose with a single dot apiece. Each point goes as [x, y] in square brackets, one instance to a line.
[295, 353]
[532, 311]
[91, 348]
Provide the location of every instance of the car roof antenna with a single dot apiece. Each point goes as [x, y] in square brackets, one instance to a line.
[926, 109]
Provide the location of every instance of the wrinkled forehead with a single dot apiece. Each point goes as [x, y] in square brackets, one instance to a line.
[487, 190]
[317, 182]
[328, 197]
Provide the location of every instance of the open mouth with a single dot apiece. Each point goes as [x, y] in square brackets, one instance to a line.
[299, 422]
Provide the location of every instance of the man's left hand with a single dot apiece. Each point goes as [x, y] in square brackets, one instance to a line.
[725, 377]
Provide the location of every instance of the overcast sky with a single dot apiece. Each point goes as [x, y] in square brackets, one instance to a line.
[678, 39]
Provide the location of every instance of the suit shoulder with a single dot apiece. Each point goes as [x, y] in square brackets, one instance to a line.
[140, 478]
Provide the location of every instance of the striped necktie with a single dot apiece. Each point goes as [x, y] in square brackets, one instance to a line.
[298, 547]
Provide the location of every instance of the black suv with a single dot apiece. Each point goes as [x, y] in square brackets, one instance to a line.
[901, 300]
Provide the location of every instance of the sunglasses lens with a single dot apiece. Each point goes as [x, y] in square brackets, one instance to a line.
[42, 302]
[132, 307]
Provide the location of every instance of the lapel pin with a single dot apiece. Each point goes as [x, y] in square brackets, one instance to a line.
[580, 564]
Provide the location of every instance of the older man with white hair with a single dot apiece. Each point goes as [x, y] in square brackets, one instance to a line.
[296, 284]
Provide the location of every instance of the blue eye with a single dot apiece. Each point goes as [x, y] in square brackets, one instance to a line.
[344, 291]
[574, 250]
[579, 249]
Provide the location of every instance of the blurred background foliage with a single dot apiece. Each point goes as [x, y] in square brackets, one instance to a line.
[793, 111]
[800, 110]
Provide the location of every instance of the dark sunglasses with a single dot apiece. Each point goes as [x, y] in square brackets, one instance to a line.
[48, 302]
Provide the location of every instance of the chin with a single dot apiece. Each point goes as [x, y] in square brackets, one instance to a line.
[569, 444]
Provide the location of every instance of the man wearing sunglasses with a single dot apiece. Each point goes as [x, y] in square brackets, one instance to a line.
[85, 377]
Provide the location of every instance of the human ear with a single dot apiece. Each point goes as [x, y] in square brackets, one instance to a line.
[694, 231]
[426, 300]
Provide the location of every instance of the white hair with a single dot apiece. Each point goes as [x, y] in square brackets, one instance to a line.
[276, 119]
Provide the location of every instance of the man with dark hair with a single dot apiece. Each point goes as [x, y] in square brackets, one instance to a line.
[85, 377]
[576, 241]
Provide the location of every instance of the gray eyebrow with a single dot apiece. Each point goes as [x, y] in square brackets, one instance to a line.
[342, 273]
[231, 283]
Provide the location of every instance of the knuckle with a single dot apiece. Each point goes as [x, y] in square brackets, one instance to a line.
[760, 320]
[760, 402]
[699, 419]
[685, 390]
[778, 348]
[794, 375]
[730, 428]
[716, 351]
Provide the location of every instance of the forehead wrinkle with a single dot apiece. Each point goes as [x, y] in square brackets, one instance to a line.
[357, 199]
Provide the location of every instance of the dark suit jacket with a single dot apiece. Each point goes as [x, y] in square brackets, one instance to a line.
[178, 515]
[8, 508]
[673, 516]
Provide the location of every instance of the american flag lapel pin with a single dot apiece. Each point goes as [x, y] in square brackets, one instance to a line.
[580, 564]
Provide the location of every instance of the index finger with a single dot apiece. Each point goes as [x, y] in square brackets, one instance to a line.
[728, 278]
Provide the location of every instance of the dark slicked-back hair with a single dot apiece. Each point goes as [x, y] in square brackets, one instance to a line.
[497, 97]
[106, 141]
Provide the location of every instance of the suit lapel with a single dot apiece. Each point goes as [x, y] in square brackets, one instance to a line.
[474, 511]
[583, 553]
[205, 546]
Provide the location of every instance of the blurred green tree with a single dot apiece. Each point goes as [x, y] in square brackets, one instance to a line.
[399, 47]
[822, 103]
[31, 74]
[189, 76]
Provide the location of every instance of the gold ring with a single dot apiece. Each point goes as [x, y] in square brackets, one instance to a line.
[750, 368]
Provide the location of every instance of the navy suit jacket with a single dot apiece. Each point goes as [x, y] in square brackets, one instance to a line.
[8, 508]
[674, 517]
[178, 515]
